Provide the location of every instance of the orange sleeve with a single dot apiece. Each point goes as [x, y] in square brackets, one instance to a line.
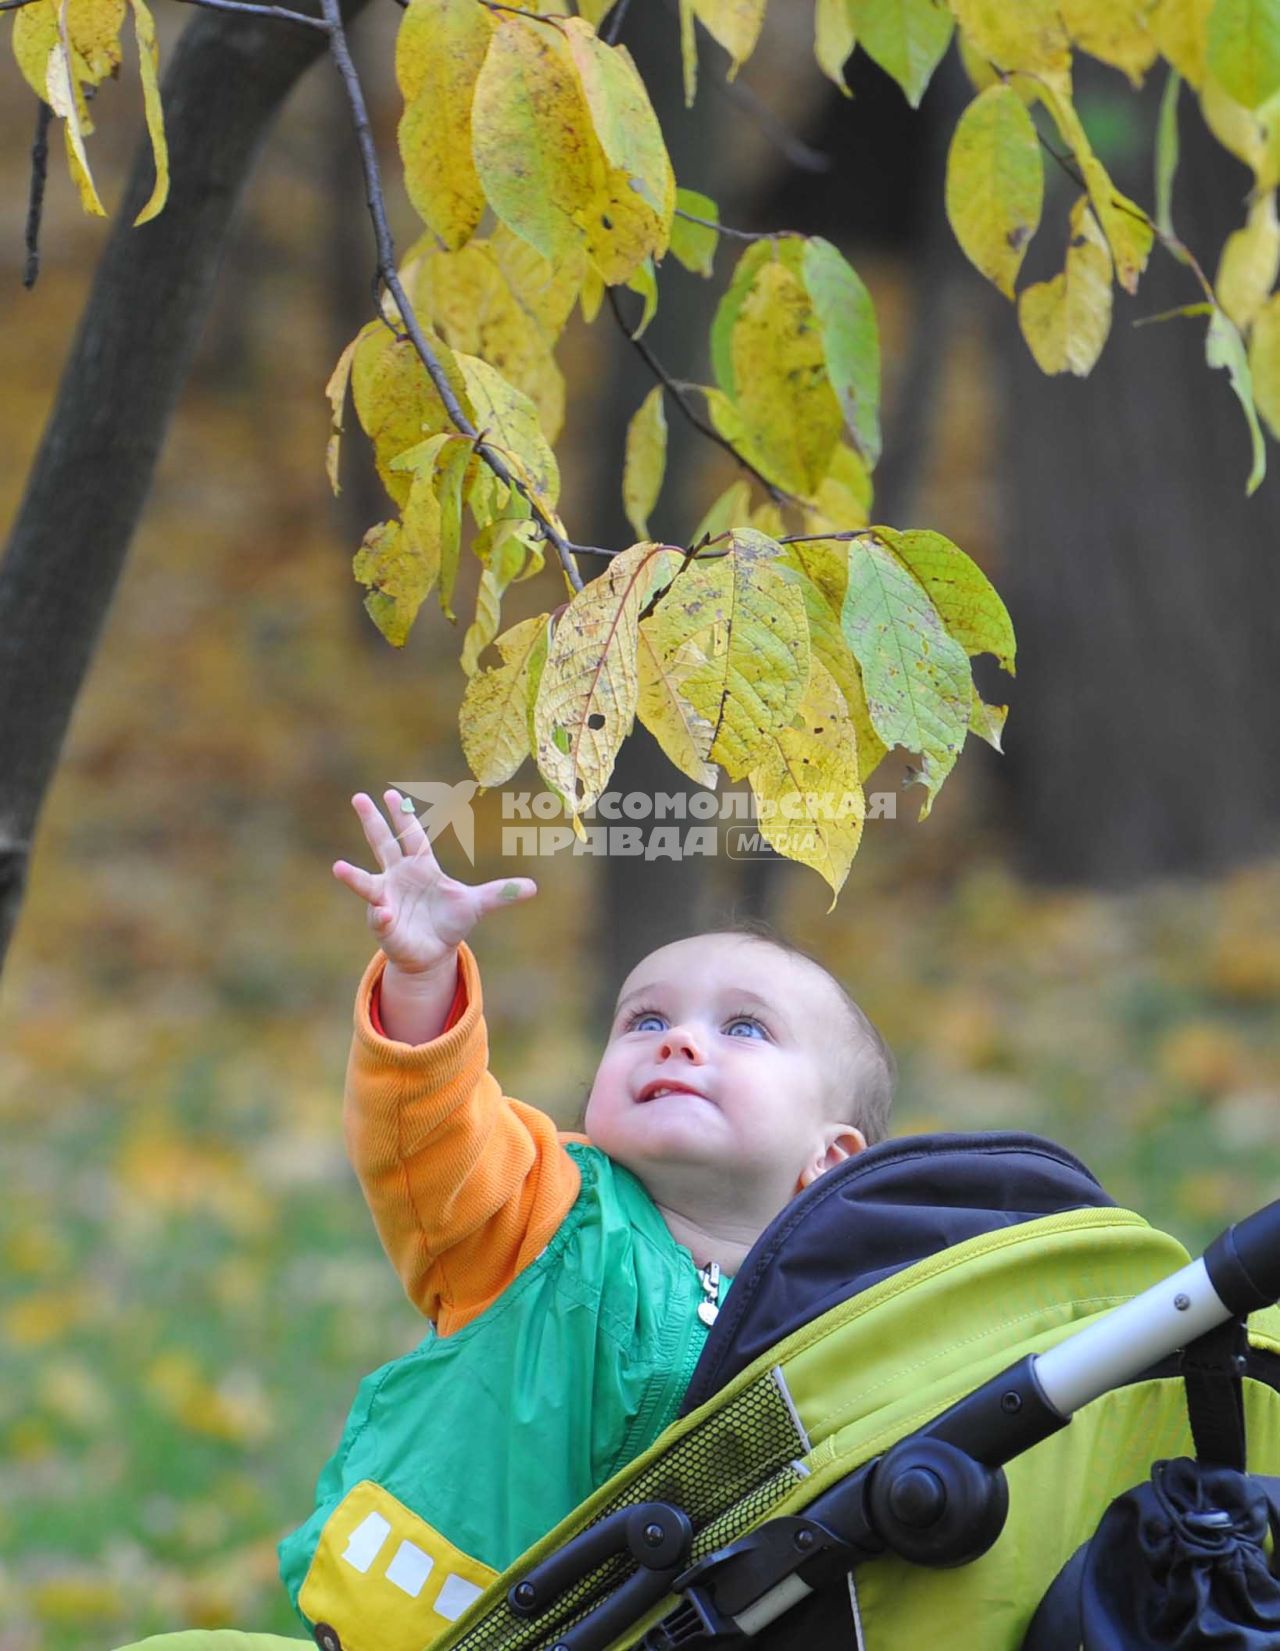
[466, 1186]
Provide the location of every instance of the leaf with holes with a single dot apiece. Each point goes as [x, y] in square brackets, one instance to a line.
[587, 697]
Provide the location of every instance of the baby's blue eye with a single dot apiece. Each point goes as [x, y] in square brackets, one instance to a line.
[750, 1022]
[639, 1024]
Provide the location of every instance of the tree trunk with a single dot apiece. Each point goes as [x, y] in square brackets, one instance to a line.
[1143, 584]
[144, 316]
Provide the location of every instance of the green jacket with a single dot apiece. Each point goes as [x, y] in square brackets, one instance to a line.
[463, 1453]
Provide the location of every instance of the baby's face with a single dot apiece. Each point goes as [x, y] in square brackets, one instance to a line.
[719, 1059]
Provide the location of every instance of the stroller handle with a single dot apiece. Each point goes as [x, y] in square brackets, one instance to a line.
[1238, 1273]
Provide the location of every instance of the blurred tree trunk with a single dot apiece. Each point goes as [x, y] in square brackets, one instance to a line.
[150, 296]
[1143, 584]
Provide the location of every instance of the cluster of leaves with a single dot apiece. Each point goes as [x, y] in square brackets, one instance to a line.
[1020, 60]
[793, 643]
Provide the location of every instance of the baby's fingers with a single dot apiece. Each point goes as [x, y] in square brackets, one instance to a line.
[363, 883]
[507, 891]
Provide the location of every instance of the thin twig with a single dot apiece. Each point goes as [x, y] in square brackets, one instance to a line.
[251, 10]
[672, 387]
[529, 16]
[387, 271]
[736, 234]
[1171, 243]
[35, 199]
[612, 26]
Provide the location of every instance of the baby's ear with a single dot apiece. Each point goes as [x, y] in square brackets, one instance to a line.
[841, 1141]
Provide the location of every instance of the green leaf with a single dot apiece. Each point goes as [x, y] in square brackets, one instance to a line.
[1224, 347]
[1244, 49]
[905, 37]
[694, 245]
[644, 281]
[967, 602]
[646, 461]
[785, 249]
[917, 679]
[833, 38]
[995, 184]
[1167, 152]
[850, 341]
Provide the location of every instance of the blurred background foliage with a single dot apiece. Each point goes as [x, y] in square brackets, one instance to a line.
[1083, 941]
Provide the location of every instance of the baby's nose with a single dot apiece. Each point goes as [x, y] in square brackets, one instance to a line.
[680, 1041]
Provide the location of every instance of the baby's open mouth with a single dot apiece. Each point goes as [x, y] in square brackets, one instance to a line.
[655, 1091]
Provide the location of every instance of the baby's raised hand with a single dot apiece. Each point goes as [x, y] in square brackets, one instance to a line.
[419, 915]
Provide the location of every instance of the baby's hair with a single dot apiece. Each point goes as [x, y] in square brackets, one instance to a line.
[868, 1070]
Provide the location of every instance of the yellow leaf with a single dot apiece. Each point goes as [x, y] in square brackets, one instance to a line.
[494, 718]
[395, 400]
[625, 123]
[510, 421]
[1180, 28]
[1264, 361]
[1250, 262]
[592, 295]
[504, 548]
[540, 160]
[995, 184]
[1028, 36]
[745, 614]
[1065, 321]
[467, 297]
[1129, 232]
[833, 39]
[809, 803]
[644, 281]
[843, 498]
[397, 576]
[1114, 31]
[545, 291]
[688, 52]
[766, 518]
[440, 48]
[336, 393]
[148, 65]
[825, 567]
[63, 46]
[683, 734]
[587, 697]
[735, 24]
[646, 461]
[784, 395]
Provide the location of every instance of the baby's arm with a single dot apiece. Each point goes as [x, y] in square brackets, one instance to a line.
[420, 917]
[465, 1185]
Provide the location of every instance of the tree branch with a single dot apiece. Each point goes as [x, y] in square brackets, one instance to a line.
[248, 9]
[35, 197]
[612, 25]
[777, 494]
[388, 276]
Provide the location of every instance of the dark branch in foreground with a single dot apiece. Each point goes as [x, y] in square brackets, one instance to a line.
[248, 9]
[387, 274]
[682, 402]
[35, 199]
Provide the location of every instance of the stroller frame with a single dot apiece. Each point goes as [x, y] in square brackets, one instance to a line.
[937, 1497]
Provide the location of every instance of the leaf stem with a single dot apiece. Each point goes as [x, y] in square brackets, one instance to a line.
[388, 276]
[673, 388]
[251, 10]
[736, 234]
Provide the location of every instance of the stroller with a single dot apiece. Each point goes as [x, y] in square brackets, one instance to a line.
[875, 1452]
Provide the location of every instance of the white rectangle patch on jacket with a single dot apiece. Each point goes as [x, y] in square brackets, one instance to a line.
[364, 1542]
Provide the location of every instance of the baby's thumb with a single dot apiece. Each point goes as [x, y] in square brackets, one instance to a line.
[507, 891]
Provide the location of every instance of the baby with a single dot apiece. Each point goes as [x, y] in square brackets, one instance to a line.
[570, 1279]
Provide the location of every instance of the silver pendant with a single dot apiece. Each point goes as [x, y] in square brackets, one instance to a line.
[709, 1278]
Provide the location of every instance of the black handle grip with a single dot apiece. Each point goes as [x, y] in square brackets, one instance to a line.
[1243, 1263]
